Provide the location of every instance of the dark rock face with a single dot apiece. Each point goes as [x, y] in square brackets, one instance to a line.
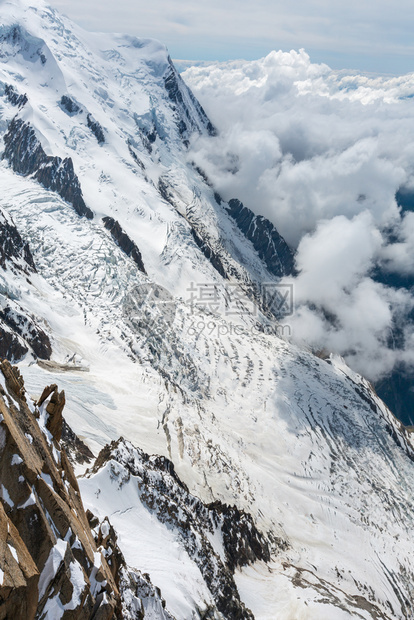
[26, 156]
[14, 97]
[28, 331]
[187, 121]
[200, 240]
[218, 198]
[209, 253]
[148, 137]
[268, 243]
[13, 250]
[242, 542]
[19, 331]
[124, 242]
[96, 129]
[69, 106]
[54, 562]
[165, 192]
[12, 347]
[76, 450]
[135, 157]
[167, 498]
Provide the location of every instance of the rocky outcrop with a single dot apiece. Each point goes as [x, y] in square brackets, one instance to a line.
[69, 106]
[26, 334]
[190, 114]
[14, 380]
[49, 561]
[96, 129]
[13, 250]
[19, 576]
[26, 156]
[209, 253]
[77, 451]
[124, 242]
[54, 409]
[14, 98]
[19, 331]
[54, 556]
[194, 523]
[138, 594]
[268, 243]
[12, 347]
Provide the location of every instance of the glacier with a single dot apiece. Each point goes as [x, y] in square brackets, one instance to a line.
[300, 443]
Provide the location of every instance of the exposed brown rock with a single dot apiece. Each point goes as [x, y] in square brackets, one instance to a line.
[14, 380]
[92, 519]
[46, 393]
[54, 408]
[19, 583]
[108, 540]
[42, 516]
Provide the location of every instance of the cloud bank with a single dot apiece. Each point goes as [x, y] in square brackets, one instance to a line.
[323, 154]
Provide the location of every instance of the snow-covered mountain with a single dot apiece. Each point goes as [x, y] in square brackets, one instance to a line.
[326, 156]
[283, 486]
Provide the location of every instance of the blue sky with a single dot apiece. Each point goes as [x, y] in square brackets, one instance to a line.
[366, 35]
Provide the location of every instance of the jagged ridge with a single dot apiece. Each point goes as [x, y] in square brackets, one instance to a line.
[13, 250]
[26, 156]
[124, 242]
[168, 498]
[178, 91]
[50, 560]
[19, 331]
[269, 244]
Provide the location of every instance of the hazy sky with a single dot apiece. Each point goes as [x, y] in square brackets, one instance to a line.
[368, 35]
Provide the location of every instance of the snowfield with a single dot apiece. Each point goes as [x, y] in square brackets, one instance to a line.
[299, 442]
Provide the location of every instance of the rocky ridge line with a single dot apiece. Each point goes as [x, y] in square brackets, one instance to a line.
[266, 240]
[124, 242]
[19, 330]
[26, 156]
[195, 524]
[49, 563]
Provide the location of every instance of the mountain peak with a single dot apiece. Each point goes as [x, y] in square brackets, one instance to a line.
[16, 8]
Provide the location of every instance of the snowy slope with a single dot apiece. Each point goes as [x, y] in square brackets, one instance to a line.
[302, 444]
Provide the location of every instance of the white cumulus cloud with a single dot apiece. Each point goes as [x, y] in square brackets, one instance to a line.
[322, 154]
